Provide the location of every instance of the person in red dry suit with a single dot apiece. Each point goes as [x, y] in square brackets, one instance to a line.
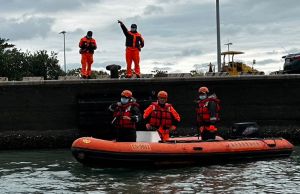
[126, 115]
[207, 111]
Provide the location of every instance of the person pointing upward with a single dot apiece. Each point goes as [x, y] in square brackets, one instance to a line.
[134, 43]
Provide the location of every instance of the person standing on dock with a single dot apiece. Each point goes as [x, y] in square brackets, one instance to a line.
[126, 115]
[87, 47]
[207, 111]
[161, 116]
[134, 44]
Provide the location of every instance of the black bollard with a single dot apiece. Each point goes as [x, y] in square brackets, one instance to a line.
[114, 70]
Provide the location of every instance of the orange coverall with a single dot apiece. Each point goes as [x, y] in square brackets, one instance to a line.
[87, 45]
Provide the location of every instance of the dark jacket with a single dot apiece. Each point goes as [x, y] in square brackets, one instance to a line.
[139, 41]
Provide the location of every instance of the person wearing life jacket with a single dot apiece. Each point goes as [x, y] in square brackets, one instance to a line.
[134, 43]
[207, 111]
[87, 47]
[126, 115]
[161, 116]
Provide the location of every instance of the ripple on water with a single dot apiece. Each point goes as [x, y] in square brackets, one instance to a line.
[58, 172]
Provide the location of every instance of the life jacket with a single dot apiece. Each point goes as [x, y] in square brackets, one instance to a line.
[161, 116]
[88, 42]
[203, 112]
[134, 43]
[124, 110]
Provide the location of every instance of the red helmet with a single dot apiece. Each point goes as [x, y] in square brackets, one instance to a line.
[126, 93]
[203, 90]
[162, 94]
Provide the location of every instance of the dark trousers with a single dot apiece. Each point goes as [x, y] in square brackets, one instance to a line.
[206, 135]
[126, 135]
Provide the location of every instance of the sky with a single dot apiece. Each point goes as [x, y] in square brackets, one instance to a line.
[180, 35]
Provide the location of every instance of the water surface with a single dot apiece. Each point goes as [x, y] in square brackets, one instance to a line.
[55, 171]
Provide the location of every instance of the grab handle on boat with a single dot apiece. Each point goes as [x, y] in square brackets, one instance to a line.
[197, 148]
[270, 144]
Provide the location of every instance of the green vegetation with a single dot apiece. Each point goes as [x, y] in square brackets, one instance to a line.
[15, 64]
[160, 73]
[95, 74]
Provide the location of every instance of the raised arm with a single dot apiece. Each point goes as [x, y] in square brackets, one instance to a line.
[125, 31]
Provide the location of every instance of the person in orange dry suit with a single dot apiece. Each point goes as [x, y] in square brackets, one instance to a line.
[134, 43]
[161, 116]
[87, 47]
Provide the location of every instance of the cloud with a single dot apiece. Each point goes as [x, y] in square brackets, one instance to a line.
[68, 49]
[42, 6]
[266, 62]
[104, 64]
[258, 12]
[71, 66]
[190, 52]
[292, 51]
[26, 27]
[153, 9]
[177, 33]
[202, 67]
[163, 64]
[273, 52]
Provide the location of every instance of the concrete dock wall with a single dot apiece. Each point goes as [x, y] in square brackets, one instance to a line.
[38, 113]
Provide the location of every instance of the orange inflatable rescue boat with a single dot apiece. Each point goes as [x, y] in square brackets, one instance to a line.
[178, 151]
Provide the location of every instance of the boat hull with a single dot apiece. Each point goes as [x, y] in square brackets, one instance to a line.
[102, 153]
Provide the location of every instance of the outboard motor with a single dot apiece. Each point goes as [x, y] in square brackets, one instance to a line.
[244, 130]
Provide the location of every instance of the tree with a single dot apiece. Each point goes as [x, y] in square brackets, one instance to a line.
[41, 64]
[122, 72]
[95, 74]
[160, 73]
[196, 73]
[12, 61]
[16, 64]
[200, 69]
[74, 72]
[98, 74]
[4, 45]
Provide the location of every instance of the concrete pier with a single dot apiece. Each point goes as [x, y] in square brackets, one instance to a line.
[50, 114]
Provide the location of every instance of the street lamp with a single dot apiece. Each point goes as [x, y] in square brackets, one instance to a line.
[218, 35]
[64, 33]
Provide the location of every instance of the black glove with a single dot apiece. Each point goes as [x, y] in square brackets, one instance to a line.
[84, 45]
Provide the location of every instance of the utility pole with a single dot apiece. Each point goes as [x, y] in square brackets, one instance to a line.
[65, 65]
[218, 35]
